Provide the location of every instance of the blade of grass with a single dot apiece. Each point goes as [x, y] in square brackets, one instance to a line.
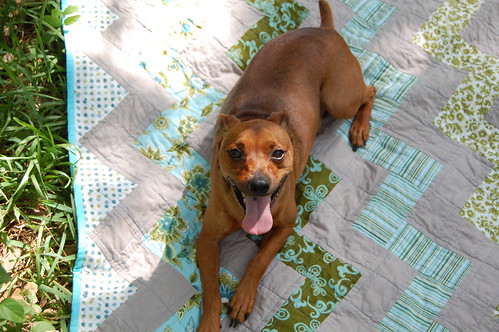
[57, 256]
[34, 168]
[58, 290]
[20, 188]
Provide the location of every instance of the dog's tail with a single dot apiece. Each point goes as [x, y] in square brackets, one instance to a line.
[327, 21]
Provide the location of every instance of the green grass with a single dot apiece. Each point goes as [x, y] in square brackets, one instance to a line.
[37, 227]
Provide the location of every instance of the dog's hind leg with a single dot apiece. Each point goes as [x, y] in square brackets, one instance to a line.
[359, 131]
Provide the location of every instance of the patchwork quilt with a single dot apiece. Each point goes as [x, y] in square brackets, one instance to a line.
[401, 235]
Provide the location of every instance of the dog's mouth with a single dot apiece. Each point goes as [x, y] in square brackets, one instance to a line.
[258, 216]
[241, 197]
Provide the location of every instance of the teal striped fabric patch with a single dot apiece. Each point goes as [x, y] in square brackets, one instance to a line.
[384, 218]
[383, 221]
[391, 84]
[371, 16]
[392, 87]
[407, 162]
[427, 257]
[411, 173]
[418, 306]
[388, 209]
[374, 13]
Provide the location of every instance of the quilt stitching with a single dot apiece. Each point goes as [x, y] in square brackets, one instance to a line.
[462, 119]
[411, 173]
[440, 270]
[418, 306]
[406, 81]
[280, 16]
[370, 18]
[164, 143]
[328, 279]
[102, 193]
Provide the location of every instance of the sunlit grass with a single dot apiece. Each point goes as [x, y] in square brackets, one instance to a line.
[37, 228]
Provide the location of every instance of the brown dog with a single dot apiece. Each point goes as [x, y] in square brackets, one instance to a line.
[265, 132]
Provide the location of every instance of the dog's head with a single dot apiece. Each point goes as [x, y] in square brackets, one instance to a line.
[255, 158]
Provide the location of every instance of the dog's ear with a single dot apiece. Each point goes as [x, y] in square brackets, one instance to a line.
[279, 118]
[227, 121]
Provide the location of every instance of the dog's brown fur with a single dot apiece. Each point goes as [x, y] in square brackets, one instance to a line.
[276, 105]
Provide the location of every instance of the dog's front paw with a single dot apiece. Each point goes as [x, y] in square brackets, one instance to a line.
[241, 304]
[359, 133]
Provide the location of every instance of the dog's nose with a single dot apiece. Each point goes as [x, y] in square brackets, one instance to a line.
[259, 186]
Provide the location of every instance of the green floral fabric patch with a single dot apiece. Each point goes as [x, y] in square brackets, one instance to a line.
[314, 185]
[463, 117]
[280, 16]
[328, 279]
[312, 302]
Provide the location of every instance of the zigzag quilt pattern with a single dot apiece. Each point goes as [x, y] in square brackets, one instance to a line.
[401, 235]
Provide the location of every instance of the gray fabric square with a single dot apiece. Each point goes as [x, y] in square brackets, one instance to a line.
[161, 289]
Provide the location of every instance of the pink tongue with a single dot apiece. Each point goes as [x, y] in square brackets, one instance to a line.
[258, 218]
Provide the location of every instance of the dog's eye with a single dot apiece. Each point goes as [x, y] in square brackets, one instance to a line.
[278, 154]
[235, 154]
